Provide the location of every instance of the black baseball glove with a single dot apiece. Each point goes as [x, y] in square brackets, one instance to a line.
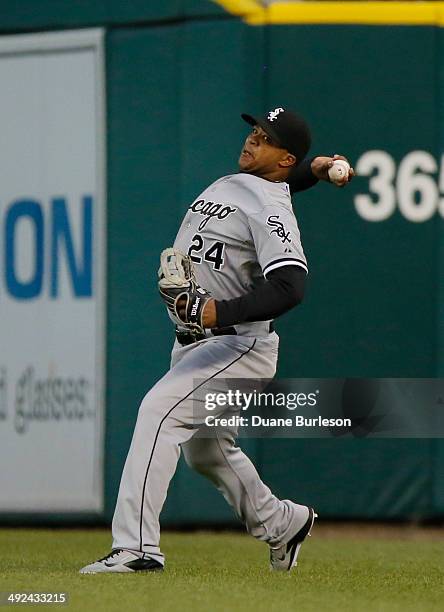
[184, 298]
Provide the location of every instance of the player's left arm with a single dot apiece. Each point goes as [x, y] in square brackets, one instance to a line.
[282, 290]
[310, 171]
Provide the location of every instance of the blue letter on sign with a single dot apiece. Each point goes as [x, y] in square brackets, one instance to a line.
[17, 288]
[81, 271]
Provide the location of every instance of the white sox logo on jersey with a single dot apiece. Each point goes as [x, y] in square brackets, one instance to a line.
[273, 114]
[279, 228]
[210, 210]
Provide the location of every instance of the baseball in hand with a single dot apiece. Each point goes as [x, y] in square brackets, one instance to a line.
[338, 171]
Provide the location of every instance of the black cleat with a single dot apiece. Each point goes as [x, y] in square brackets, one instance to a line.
[282, 559]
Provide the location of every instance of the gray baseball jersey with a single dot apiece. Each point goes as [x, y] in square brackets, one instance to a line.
[239, 229]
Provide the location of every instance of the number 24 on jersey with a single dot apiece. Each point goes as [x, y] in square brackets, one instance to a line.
[214, 254]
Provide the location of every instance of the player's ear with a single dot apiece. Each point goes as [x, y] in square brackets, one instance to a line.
[289, 160]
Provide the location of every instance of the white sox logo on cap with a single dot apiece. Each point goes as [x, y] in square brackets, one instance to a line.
[273, 114]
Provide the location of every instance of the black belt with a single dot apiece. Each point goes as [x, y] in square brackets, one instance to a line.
[187, 337]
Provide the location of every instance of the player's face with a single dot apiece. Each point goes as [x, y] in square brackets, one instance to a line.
[262, 157]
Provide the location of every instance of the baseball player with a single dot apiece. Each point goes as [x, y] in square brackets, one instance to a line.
[237, 264]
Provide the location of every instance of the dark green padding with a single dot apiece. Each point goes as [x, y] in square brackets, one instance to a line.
[371, 309]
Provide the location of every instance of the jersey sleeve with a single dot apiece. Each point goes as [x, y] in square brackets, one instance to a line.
[277, 239]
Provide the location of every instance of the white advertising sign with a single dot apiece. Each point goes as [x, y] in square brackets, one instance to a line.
[52, 280]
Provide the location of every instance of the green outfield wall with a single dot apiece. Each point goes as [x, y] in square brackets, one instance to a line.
[178, 76]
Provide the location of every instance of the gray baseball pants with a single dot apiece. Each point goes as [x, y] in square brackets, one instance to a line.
[168, 420]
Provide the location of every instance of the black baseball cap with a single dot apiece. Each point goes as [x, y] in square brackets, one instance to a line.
[288, 129]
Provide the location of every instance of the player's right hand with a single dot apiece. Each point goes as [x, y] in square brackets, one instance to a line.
[321, 165]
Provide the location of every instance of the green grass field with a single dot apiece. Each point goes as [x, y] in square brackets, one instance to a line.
[353, 568]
